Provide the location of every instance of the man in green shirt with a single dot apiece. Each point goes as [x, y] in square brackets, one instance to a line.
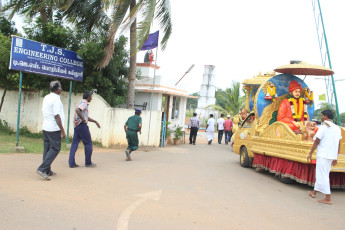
[132, 127]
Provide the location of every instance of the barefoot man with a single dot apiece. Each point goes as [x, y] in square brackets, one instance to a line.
[327, 142]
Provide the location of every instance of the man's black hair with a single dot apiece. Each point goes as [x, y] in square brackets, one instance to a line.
[211, 115]
[54, 86]
[86, 95]
[194, 114]
[222, 115]
[328, 113]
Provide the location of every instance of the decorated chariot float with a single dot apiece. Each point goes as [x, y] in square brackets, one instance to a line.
[277, 134]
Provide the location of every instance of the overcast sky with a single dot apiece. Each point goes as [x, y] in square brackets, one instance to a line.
[243, 38]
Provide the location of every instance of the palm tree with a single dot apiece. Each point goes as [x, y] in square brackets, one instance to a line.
[231, 99]
[92, 15]
[32, 8]
[125, 13]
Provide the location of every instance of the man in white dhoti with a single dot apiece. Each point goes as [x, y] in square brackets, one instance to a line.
[210, 129]
[327, 142]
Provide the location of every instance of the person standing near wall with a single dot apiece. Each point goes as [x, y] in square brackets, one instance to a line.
[327, 141]
[220, 127]
[193, 125]
[228, 129]
[82, 132]
[132, 127]
[53, 130]
[210, 129]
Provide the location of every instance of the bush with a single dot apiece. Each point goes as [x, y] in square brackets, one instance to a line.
[178, 132]
[25, 132]
[4, 127]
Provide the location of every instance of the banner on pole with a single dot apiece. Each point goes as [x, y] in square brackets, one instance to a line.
[151, 42]
[39, 58]
[322, 97]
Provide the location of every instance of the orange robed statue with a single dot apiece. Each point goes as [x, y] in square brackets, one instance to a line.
[293, 109]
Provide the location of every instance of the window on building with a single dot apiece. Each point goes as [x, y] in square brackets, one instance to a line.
[176, 107]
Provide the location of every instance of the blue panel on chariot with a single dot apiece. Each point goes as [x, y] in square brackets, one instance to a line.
[251, 99]
[282, 82]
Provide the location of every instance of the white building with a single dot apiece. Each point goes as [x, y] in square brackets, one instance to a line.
[166, 97]
[207, 93]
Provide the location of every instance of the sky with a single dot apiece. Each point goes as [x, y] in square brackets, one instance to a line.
[245, 38]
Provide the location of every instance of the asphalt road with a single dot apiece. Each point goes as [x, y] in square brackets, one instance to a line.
[181, 187]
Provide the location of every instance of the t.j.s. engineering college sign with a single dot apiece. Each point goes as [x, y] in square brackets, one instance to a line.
[38, 58]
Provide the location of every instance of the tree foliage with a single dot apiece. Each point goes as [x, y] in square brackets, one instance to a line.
[192, 103]
[342, 118]
[230, 99]
[324, 106]
[110, 82]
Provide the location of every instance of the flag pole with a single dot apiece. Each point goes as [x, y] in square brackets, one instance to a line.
[153, 86]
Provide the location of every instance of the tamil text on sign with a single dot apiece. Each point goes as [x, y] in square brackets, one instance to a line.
[35, 57]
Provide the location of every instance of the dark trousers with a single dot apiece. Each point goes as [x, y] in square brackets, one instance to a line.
[51, 148]
[220, 135]
[192, 134]
[81, 133]
[228, 135]
[132, 140]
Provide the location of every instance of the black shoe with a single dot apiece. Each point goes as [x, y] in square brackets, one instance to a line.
[74, 166]
[43, 174]
[51, 173]
[92, 165]
[209, 142]
[193, 143]
[219, 142]
[190, 143]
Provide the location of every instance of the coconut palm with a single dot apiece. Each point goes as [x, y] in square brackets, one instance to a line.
[125, 14]
[231, 99]
[92, 15]
[32, 8]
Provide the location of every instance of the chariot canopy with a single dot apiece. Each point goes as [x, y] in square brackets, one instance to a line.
[303, 68]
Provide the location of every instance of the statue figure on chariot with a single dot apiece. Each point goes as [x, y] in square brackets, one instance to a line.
[294, 109]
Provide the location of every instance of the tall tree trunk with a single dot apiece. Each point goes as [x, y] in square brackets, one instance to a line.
[2, 99]
[132, 61]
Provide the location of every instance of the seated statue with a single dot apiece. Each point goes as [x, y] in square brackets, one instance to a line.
[242, 115]
[310, 130]
[293, 109]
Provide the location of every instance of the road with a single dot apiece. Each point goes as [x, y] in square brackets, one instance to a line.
[197, 187]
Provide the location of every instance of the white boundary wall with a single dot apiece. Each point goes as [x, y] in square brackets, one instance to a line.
[111, 119]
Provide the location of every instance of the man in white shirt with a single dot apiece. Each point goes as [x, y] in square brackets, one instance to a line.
[53, 130]
[220, 126]
[210, 129]
[327, 142]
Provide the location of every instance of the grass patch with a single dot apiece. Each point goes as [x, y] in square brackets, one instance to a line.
[31, 144]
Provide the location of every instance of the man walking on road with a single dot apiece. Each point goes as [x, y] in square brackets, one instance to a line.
[210, 129]
[327, 142]
[53, 130]
[193, 125]
[82, 132]
[132, 127]
[220, 127]
[228, 129]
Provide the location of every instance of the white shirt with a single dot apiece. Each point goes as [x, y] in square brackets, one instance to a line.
[52, 106]
[210, 123]
[220, 123]
[329, 141]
